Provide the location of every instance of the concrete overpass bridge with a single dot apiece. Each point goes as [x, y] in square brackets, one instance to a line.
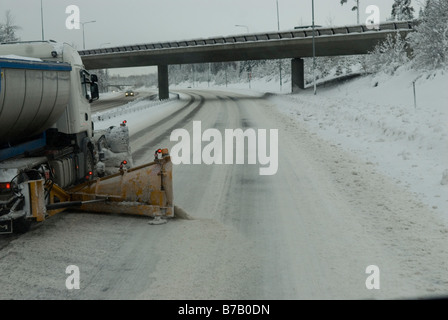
[294, 44]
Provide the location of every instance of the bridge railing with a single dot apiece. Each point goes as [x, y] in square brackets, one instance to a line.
[269, 36]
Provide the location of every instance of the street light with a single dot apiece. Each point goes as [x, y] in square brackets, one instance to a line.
[279, 61]
[42, 19]
[278, 18]
[83, 34]
[357, 11]
[243, 26]
[314, 53]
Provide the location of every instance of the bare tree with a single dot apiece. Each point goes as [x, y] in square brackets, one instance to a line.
[8, 29]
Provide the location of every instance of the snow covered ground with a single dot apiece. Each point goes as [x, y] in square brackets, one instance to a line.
[255, 86]
[110, 95]
[137, 113]
[308, 232]
[373, 117]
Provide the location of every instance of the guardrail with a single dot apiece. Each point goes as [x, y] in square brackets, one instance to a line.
[292, 34]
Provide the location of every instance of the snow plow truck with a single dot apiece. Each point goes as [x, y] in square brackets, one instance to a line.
[51, 158]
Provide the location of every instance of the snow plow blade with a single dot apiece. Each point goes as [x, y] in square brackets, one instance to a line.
[146, 190]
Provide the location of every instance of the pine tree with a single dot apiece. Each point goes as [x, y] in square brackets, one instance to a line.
[430, 41]
[402, 10]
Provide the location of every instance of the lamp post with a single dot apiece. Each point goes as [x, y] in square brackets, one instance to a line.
[83, 34]
[314, 52]
[279, 61]
[42, 19]
[357, 11]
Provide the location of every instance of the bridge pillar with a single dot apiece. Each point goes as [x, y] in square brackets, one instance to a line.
[164, 91]
[297, 75]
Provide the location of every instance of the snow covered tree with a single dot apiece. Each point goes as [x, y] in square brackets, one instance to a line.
[8, 29]
[402, 10]
[339, 70]
[389, 55]
[430, 42]
[420, 12]
[354, 8]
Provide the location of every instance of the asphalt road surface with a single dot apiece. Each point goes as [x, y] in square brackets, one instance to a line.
[308, 232]
[119, 100]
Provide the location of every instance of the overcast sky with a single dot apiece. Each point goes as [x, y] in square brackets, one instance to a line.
[121, 22]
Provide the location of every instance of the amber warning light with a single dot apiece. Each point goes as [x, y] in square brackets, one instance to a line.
[123, 164]
[89, 175]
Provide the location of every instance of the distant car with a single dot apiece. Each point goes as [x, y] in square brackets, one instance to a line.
[129, 93]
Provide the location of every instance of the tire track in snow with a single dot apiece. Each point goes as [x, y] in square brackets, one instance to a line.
[164, 120]
[154, 141]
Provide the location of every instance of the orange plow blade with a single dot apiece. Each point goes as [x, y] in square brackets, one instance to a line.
[146, 190]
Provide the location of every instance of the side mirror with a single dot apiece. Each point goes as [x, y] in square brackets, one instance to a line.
[94, 78]
[94, 92]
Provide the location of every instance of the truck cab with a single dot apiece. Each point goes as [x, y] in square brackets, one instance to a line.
[46, 128]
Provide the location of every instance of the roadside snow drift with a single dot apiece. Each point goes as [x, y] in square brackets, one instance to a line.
[375, 117]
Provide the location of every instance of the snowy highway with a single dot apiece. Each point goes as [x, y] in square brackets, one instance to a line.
[118, 99]
[309, 231]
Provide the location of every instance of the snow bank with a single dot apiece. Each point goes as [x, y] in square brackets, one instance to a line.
[110, 95]
[262, 85]
[137, 111]
[375, 118]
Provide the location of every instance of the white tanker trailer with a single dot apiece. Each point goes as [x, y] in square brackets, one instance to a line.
[47, 148]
